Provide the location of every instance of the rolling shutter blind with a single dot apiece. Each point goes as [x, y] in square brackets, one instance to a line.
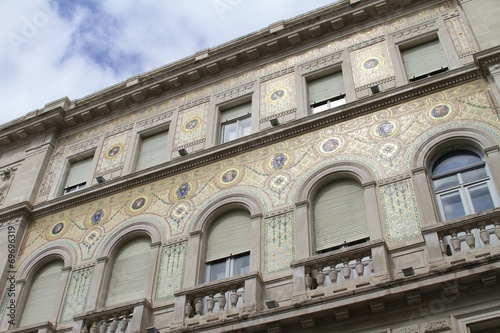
[339, 214]
[236, 112]
[130, 268]
[229, 235]
[325, 88]
[151, 151]
[423, 59]
[42, 295]
[78, 172]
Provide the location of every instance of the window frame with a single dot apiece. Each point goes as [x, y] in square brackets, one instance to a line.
[221, 123]
[147, 134]
[65, 190]
[332, 102]
[229, 266]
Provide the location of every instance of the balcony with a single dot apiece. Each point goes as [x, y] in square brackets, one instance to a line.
[127, 318]
[218, 300]
[346, 269]
[465, 239]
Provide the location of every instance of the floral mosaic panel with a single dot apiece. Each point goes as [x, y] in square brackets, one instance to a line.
[461, 39]
[3, 307]
[113, 152]
[279, 249]
[277, 95]
[76, 295]
[171, 275]
[371, 64]
[191, 124]
[399, 206]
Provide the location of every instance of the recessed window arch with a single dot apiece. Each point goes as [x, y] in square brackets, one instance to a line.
[462, 183]
[228, 245]
[42, 294]
[129, 271]
[339, 215]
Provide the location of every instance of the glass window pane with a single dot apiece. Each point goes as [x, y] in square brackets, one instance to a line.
[245, 126]
[455, 160]
[474, 174]
[452, 205]
[445, 182]
[217, 270]
[241, 264]
[229, 132]
[481, 198]
[338, 102]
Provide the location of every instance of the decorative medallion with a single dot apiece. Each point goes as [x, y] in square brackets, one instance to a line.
[91, 237]
[57, 230]
[331, 145]
[279, 182]
[385, 129]
[96, 218]
[440, 112]
[192, 124]
[371, 63]
[229, 177]
[179, 211]
[139, 204]
[183, 191]
[276, 95]
[114, 151]
[279, 161]
[388, 150]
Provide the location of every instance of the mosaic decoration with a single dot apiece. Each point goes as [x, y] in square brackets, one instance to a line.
[183, 191]
[331, 145]
[113, 153]
[3, 306]
[179, 215]
[171, 275]
[96, 218]
[440, 112]
[279, 249]
[371, 64]
[461, 39]
[230, 177]
[57, 230]
[139, 204]
[90, 240]
[277, 95]
[401, 217]
[385, 129]
[77, 293]
[191, 125]
[279, 161]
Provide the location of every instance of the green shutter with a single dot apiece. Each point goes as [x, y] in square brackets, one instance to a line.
[236, 112]
[325, 88]
[229, 235]
[42, 294]
[423, 59]
[129, 272]
[78, 172]
[151, 151]
[339, 214]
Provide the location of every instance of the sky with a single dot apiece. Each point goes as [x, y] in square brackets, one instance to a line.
[51, 49]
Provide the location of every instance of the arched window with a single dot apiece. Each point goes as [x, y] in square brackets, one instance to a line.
[228, 246]
[42, 295]
[129, 272]
[461, 184]
[339, 215]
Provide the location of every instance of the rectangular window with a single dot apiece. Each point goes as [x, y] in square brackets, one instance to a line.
[151, 150]
[78, 174]
[423, 60]
[236, 122]
[227, 267]
[326, 92]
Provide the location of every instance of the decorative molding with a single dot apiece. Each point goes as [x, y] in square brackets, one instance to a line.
[155, 121]
[277, 74]
[322, 62]
[408, 329]
[367, 43]
[437, 325]
[194, 103]
[281, 114]
[234, 93]
[379, 82]
[280, 211]
[194, 143]
[82, 146]
[414, 30]
[119, 129]
[394, 179]
[176, 240]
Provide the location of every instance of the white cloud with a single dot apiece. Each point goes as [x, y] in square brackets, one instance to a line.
[81, 47]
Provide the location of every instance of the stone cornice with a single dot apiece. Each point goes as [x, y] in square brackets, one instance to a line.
[22, 209]
[485, 59]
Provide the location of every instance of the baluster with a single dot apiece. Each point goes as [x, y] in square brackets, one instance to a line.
[188, 309]
[346, 271]
[233, 298]
[484, 234]
[360, 268]
[210, 303]
[371, 267]
[333, 273]
[443, 246]
[198, 306]
[93, 329]
[320, 277]
[85, 329]
[470, 239]
[114, 324]
[124, 323]
[222, 301]
[497, 228]
[455, 242]
[308, 281]
[104, 325]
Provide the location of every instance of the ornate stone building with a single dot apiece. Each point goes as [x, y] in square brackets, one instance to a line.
[334, 172]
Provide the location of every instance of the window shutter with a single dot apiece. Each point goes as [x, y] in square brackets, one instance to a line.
[151, 151]
[78, 172]
[339, 214]
[229, 235]
[236, 112]
[130, 268]
[423, 59]
[42, 295]
[325, 88]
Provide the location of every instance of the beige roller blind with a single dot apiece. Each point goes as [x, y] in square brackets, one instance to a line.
[151, 151]
[78, 172]
[423, 59]
[236, 112]
[229, 235]
[42, 294]
[130, 269]
[339, 214]
[325, 88]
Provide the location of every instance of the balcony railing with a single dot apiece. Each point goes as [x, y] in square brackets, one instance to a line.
[220, 299]
[344, 269]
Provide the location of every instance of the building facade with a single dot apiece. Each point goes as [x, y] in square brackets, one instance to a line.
[334, 172]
